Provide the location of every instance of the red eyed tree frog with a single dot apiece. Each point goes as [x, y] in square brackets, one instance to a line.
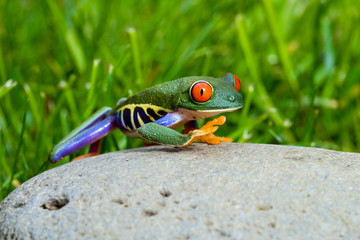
[154, 113]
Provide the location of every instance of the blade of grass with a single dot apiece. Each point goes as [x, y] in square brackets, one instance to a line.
[189, 50]
[7, 182]
[249, 98]
[207, 62]
[109, 84]
[244, 123]
[20, 143]
[329, 57]
[40, 151]
[70, 37]
[264, 102]
[64, 122]
[93, 90]
[5, 169]
[76, 50]
[2, 65]
[8, 146]
[251, 125]
[24, 161]
[10, 84]
[59, 103]
[69, 94]
[34, 107]
[276, 135]
[280, 46]
[136, 54]
[309, 130]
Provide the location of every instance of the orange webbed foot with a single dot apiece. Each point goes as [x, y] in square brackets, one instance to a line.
[205, 133]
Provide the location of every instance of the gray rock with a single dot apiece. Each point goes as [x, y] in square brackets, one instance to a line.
[235, 191]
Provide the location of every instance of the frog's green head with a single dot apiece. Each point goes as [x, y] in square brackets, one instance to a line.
[206, 94]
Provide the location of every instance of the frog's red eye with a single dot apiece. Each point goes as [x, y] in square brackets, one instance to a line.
[201, 91]
[237, 83]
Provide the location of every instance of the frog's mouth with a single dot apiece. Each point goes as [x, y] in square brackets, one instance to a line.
[200, 114]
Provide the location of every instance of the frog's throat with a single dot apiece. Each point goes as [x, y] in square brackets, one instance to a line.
[188, 114]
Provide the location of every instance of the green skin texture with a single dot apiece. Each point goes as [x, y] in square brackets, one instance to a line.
[174, 95]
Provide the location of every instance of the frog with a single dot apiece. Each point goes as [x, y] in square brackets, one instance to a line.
[155, 113]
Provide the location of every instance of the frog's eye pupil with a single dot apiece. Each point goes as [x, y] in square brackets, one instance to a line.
[201, 91]
[237, 83]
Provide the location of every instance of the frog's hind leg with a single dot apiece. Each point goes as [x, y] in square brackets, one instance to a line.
[121, 100]
[90, 132]
[93, 151]
[95, 118]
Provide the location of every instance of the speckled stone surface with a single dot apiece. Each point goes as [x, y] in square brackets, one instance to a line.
[235, 191]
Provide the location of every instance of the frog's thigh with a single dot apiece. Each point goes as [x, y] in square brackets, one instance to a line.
[163, 135]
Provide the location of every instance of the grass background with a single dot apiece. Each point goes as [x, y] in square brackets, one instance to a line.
[61, 60]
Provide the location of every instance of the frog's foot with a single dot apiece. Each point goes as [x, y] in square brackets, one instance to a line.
[205, 133]
[90, 154]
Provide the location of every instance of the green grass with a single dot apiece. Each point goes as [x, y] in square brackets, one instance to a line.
[61, 60]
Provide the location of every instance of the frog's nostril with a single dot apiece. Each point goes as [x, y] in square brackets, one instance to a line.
[231, 98]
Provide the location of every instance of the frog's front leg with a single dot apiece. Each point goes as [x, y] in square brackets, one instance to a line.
[159, 131]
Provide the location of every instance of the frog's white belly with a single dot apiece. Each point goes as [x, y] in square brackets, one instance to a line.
[200, 114]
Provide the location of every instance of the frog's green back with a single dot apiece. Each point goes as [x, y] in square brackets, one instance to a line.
[173, 94]
[166, 95]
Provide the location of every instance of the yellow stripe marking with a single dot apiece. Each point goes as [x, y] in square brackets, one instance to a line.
[132, 107]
